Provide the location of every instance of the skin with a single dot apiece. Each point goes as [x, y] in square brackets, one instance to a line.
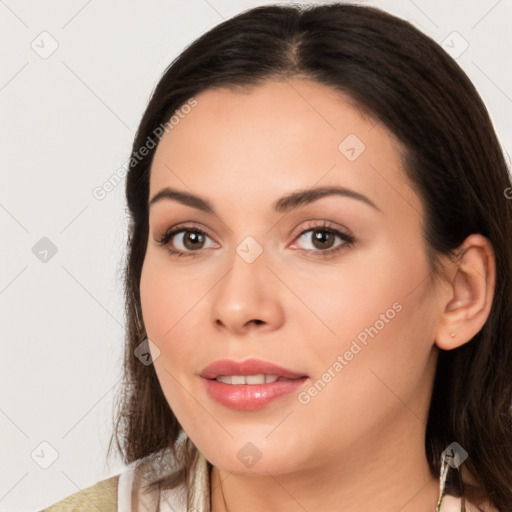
[360, 441]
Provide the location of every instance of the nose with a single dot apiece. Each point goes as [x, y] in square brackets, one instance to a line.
[247, 298]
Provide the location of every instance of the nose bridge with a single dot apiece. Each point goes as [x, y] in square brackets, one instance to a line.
[245, 295]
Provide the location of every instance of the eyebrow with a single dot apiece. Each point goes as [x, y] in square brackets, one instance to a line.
[284, 204]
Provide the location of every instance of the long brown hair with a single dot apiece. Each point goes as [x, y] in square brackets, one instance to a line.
[453, 160]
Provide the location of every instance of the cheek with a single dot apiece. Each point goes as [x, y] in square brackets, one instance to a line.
[376, 282]
[376, 309]
[174, 311]
[164, 305]
[167, 298]
[366, 289]
[381, 313]
[157, 305]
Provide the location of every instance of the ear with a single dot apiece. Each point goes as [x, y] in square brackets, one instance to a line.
[472, 293]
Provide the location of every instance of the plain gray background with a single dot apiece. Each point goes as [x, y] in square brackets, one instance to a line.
[75, 78]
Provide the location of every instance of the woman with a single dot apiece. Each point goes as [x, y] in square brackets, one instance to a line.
[319, 277]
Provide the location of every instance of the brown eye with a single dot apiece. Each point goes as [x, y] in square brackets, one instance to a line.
[193, 240]
[323, 239]
[185, 241]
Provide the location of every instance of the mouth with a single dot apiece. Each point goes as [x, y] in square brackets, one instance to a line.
[249, 385]
[236, 380]
[252, 368]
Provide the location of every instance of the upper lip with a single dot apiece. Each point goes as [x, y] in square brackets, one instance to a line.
[247, 367]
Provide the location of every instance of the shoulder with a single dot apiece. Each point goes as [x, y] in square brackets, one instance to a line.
[100, 496]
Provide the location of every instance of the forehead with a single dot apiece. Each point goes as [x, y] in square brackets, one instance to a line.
[275, 137]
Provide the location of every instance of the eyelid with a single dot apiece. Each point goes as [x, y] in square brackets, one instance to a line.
[319, 225]
[183, 226]
[167, 234]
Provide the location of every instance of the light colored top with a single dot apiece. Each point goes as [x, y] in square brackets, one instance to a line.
[124, 493]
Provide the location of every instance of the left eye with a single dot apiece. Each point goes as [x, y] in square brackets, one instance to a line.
[322, 239]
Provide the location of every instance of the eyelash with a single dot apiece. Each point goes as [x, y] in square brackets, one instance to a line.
[325, 227]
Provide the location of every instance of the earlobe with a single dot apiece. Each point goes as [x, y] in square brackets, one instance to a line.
[472, 293]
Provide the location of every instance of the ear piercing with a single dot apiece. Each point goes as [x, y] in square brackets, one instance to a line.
[456, 304]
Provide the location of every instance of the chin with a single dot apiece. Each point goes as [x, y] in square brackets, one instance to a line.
[254, 455]
[259, 468]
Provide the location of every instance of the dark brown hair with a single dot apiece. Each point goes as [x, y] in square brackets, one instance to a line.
[453, 160]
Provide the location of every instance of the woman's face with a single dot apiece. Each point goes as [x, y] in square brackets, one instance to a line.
[347, 305]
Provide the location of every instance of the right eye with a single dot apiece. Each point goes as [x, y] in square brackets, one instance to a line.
[185, 240]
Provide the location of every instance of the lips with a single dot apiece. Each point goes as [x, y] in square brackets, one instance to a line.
[227, 367]
[249, 385]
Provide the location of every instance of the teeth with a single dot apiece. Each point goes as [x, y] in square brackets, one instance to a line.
[247, 379]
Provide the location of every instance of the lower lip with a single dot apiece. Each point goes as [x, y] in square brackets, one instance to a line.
[249, 397]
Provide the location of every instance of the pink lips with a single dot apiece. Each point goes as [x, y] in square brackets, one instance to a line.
[249, 396]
